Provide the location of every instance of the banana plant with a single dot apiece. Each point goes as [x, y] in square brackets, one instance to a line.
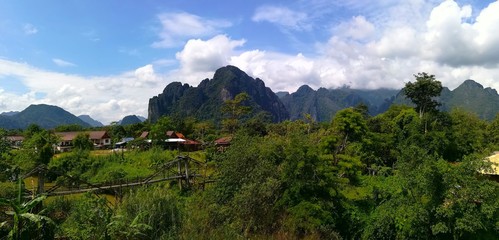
[22, 214]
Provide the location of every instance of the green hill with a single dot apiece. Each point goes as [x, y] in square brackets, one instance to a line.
[45, 116]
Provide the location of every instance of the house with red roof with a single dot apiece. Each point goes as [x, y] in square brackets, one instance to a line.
[223, 143]
[100, 139]
[178, 140]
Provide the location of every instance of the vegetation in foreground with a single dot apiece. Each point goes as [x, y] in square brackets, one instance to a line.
[409, 173]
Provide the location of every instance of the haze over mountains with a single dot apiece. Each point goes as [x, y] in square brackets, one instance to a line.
[204, 102]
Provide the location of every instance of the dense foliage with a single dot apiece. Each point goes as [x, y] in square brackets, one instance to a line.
[398, 175]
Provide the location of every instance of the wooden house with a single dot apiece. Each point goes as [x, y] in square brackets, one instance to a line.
[223, 143]
[100, 139]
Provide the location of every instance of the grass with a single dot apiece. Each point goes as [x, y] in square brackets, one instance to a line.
[105, 165]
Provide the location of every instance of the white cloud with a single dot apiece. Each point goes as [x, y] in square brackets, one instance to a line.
[62, 63]
[398, 42]
[452, 40]
[279, 71]
[146, 76]
[177, 27]
[199, 57]
[358, 28]
[282, 16]
[385, 52]
[106, 98]
[29, 29]
[369, 52]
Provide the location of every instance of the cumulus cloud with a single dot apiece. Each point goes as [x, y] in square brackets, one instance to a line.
[62, 63]
[279, 71]
[282, 16]
[177, 27]
[358, 28]
[454, 40]
[146, 76]
[447, 39]
[106, 98]
[200, 58]
[398, 42]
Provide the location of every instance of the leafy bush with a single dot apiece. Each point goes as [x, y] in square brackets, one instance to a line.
[149, 213]
[88, 219]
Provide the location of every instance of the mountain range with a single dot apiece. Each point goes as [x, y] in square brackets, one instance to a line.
[49, 117]
[323, 103]
[92, 122]
[45, 116]
[206, 100]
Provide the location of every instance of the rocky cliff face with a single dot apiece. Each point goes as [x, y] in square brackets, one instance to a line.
[205, 100]
[324, 103]
[164, 103]
[472, 96]
[469, 96]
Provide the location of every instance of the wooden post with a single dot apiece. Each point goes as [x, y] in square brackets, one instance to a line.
[41, 181]
[186, 164]
[40, 189]
[180, 174]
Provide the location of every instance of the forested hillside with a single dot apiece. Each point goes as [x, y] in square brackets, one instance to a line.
[45, 116]
[205, 100]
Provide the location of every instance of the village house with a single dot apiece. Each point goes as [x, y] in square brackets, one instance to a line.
[15, 141]
[100, 139]
[178, 140]
[123, 143]
[144, 135]
[223, 143]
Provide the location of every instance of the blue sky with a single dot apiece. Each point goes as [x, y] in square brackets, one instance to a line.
[107, 58]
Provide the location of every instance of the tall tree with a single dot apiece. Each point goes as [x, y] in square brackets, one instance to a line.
[423, 91]
[493, 132]
[159, 129]
[348, 125]
[235, 109]
[82, 142]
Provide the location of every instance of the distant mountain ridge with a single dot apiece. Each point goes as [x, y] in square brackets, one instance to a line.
[130, 119]
[11, 113]
[470, 96]
[45, 116]
[324, 103]
[205, 101]
[92, 122]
